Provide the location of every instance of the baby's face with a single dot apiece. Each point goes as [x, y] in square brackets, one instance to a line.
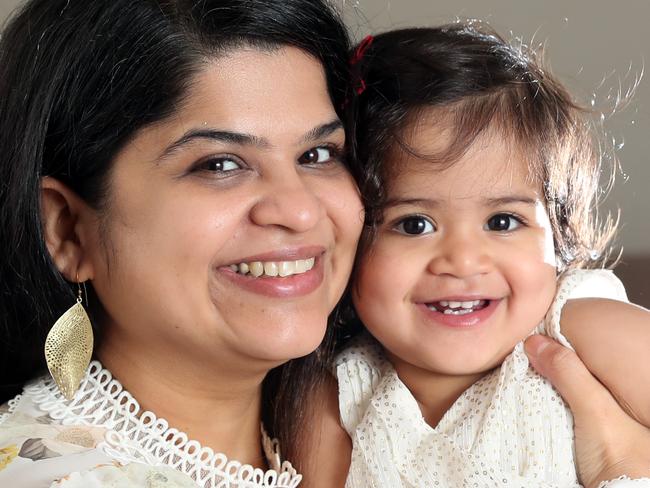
[463, 266]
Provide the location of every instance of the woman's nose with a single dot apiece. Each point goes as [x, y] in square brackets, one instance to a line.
[288, 202]
[460, 256]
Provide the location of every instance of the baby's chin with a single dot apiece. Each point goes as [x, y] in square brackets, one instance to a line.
[465, 360]
[475, 368]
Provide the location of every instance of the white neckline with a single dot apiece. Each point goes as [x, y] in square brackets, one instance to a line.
[134, 435]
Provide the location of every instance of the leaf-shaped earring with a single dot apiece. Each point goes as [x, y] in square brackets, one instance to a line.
[69, 347]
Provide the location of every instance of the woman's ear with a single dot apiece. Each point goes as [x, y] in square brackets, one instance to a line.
[66, 220]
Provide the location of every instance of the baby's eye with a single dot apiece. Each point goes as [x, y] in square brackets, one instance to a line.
[318, 155]
[415, 225]
[502, 223]
[220, 164]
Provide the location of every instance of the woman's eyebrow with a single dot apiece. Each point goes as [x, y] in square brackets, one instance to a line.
[322, 130]
[218, 135]
[244, 139]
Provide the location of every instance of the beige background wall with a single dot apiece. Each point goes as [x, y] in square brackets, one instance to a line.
[595, 46]
[6, 6]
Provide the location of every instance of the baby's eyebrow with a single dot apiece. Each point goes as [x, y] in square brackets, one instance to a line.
[510, 199]
[415, 202]
[434, 203]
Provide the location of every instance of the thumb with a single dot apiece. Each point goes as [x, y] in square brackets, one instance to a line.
[568, 374]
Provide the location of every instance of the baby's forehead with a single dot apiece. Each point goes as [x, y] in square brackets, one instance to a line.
[442, 133]
[429, 130]
[424, 162]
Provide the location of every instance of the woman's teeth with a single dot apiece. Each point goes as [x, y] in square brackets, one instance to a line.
[274, 268]
[457, 308]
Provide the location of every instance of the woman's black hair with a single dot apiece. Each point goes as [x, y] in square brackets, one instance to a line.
[78, 79]
[474, 81]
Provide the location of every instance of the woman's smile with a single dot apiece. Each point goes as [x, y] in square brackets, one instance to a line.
[292, 272]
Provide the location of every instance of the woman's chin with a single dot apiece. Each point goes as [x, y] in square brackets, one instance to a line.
[291, 343]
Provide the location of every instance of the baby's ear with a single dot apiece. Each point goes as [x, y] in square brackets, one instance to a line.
[66, 221]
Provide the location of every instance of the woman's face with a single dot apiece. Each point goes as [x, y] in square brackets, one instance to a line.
[243, 182]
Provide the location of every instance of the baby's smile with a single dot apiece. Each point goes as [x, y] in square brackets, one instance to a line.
[453, 307]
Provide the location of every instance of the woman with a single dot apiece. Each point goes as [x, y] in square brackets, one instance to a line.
[176, 155]
[189, 161]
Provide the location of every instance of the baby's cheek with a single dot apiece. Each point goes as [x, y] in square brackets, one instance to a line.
[376, 290]
[538, 290]
[531, 274]
[369, 285]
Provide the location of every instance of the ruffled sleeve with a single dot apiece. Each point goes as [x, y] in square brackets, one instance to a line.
[580, 283]
[358, 370]
[625, 482]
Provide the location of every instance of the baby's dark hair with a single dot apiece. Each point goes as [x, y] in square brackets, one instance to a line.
[479, 82]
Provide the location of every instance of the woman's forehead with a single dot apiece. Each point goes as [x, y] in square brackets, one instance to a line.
[261, 97]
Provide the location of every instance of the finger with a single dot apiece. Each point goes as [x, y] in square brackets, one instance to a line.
[564, 369]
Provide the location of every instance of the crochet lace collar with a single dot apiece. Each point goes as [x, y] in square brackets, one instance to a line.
[134, 435]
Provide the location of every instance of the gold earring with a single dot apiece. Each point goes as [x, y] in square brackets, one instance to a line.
[69, 347]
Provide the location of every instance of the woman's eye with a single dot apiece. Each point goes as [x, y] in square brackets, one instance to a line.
[415, 225]
[318, 155]
[220, 165]
[502, 223]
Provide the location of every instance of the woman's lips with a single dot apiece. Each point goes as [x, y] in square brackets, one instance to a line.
[473, 318]
[302, 276]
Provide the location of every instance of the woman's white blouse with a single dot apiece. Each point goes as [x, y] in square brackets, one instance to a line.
[101, 438]
[511, 428]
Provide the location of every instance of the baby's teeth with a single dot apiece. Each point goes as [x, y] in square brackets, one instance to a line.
[457, 305]
[256, 268]
[234, 267]
[286, 268]
[271, 268]
[449, 311]
[243, 268]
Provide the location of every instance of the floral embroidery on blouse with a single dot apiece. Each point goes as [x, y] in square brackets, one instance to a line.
[101, 438]
[7, 454]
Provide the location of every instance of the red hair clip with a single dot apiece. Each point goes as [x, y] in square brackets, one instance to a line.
[357, 57]
[361, 50]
